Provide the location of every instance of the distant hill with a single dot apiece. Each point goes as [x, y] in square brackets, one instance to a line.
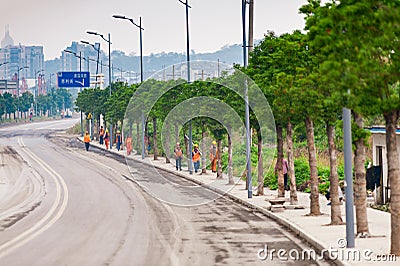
[228, 54]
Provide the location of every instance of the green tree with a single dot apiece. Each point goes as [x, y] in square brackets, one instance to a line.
[10, 103]
[359, 40]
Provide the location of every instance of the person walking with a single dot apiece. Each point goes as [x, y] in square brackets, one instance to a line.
[178, 156]
[101, 135]
[196, 157]
[107, 138]
[86, 139]
[328, 195]
[285, 168]
[214, 156]
[118, 140]
[128, 143]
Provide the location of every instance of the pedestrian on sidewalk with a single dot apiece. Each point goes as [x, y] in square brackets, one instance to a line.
[196, 157]
[285, 167]
[178, 156]
[86, 139]
[101, 135]
[118, 140]
[107, 138]
[214, 156]
[128, 143]
[328, 195]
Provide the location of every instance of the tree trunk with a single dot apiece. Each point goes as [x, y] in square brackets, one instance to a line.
[203, 149]
[336, 216]
[188, 152]
[146, 134]
[138, 141]
[391, 119]
[360, 185]
[219, 148]
[312, 160]
[293, 189]
[122, 135]
[167, 143]
[281, 185]
[155, 138]
[230, 167]
[260, 170]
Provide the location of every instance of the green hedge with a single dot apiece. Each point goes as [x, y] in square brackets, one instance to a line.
[302, 173]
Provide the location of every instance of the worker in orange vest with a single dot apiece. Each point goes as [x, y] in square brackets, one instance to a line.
[128, 143]
[178, 156]
[101, 135]
[107, 138]
[214, 156]
[196, 156]
[86, 139]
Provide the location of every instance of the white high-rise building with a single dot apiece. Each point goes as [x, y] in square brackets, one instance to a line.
[19, 56]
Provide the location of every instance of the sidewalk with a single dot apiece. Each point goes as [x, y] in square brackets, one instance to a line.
[313, 229]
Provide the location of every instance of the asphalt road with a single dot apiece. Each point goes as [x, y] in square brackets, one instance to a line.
[61, 205]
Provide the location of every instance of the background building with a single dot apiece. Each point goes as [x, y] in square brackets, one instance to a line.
[19, 56]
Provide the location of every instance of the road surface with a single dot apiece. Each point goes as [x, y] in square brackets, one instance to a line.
[61, 205]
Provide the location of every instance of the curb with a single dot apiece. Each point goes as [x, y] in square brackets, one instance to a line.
[280, 220]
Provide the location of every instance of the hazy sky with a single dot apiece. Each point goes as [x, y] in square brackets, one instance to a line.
[213, 23]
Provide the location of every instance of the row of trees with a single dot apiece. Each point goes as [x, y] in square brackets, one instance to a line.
[349, 56]
[55, 100]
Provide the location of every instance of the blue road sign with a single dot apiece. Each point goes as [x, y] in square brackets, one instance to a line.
[73, 79]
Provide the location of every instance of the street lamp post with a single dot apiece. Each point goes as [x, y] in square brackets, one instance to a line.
[19, 69]
[109, 70]
[348, 176]
[51, 75]
[97, 49]
[80, 70]
[36, 89]
[246, 100]
[141, 66]
[188, 80]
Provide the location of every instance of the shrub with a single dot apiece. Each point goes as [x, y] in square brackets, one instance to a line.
[302, 173]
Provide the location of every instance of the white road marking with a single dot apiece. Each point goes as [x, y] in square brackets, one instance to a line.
[44, 223]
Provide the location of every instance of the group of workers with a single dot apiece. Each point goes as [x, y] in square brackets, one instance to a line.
[196, 157]
[104, 138]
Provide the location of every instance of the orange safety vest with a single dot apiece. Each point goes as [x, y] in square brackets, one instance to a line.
[178, 152]
[101, 132]
[196, 156]
[86, 138]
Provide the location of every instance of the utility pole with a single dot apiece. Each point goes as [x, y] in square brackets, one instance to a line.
[188, 80]
[247, 111]
[251, 27]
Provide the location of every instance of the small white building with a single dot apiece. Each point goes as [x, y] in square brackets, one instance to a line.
[379, 158]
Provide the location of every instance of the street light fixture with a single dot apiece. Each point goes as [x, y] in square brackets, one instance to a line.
[5, 63]
[36, 89]
[78, 56]
[109, 70]
[141, 66]
[140, 40]
[19, 69]
[98, 55]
